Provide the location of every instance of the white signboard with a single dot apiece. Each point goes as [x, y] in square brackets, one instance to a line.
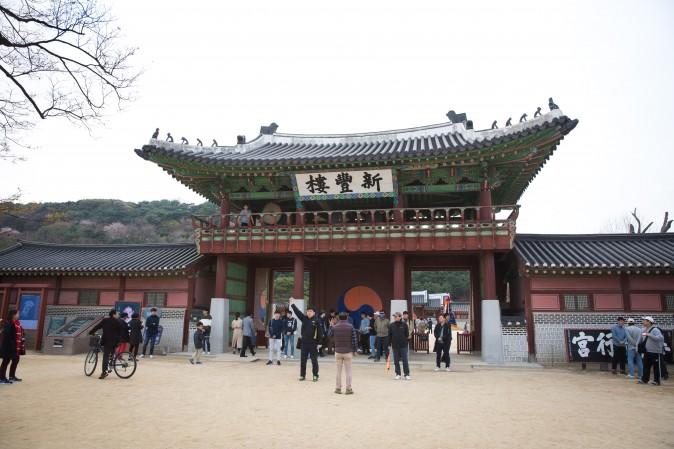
[373, 183]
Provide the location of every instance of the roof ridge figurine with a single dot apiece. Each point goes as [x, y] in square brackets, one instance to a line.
[169, 137]
[155, 134]
[215, 143]
[494, 125]
[267, 130]
[509, 122]
[552, 104]
[199, 142]
[523, 118]
[184, 141]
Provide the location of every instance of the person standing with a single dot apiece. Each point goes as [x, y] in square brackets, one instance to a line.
[124, 333]
[237, 333]
[651, 342]
[112, 330]
[346, 344]
[289, 335]
[633, 337]
[275, 331]
[151, 331]
[382, 342]
[373, 336]
[207, 320]
[311, 337]
[400, 331]
[244, 216]
[619, 337]
[410, 328]
[443, 341]
[198, 344]
[248, 335]
[364, 331]
[12, 348]
[135, 334]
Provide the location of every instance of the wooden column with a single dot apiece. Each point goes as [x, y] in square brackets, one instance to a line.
[625, 287]
[57, 289]
[122, 287]
[298, 287]
[5, 302]
[529, 315]
[398, 276]
[221, 276]
[40, 320]
[224, 210]
[488, 272]
[485, 202]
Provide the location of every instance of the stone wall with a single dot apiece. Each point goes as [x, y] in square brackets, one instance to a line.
[549, 330]
[172, 320]
[515, 346]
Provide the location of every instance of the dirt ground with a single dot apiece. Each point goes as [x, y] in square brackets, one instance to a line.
[172, 404]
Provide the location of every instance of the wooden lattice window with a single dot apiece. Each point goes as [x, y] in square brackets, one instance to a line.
[577, 302]
[669, 302]
[88, 298]
[156, 299]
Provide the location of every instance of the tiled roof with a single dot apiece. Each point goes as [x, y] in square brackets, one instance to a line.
[609, 252]
[47, 258]
[271, 149]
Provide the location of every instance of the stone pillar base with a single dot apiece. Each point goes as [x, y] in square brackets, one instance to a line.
[219, 325]
[397, 305]
[492, 339]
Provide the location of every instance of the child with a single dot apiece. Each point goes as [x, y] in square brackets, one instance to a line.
[198, 343]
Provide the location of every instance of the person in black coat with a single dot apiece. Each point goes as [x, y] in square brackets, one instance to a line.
[443, 341]
[312, 336]
[12, 347]
[400, 332]
[112, 330]
[151, 331]
[135, 333]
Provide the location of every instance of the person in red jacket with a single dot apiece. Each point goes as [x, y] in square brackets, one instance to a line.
[13, 347]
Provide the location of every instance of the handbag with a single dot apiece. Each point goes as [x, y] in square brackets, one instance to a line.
[641, 347]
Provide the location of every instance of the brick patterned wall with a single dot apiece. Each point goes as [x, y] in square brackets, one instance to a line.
[549, 330]
[515, 345]
[172, 320]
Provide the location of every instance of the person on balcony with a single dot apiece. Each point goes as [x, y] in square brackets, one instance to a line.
[244, 216]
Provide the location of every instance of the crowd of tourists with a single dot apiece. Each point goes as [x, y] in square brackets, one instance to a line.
[643, 347]
[330, 333]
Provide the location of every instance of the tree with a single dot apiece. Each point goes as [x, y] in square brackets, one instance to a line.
[61, 58]
[666, 224]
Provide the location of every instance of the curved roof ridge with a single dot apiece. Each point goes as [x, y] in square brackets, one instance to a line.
[28, 243]
[622, 236]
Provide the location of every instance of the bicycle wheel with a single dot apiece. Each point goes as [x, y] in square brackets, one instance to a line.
[124, 365]
[90, 362]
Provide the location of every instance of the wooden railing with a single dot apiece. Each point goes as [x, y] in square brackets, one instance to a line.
[358, 230]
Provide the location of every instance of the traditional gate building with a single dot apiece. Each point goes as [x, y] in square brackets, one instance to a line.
[351, 216]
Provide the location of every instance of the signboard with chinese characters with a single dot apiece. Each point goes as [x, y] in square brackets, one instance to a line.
[374, 183]
[596, 345]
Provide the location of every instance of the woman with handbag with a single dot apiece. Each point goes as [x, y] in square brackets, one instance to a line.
[12, 348]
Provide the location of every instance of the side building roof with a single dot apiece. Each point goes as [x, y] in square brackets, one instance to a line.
[31, 258]
[596, 253]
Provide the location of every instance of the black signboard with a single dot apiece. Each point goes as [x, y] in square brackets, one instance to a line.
[596, 345]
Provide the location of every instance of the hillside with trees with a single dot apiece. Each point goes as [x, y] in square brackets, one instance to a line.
[100, 221]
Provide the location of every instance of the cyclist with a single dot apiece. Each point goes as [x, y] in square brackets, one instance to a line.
[112, 330]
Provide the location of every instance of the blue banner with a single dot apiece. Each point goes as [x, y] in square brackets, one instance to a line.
[29, 310]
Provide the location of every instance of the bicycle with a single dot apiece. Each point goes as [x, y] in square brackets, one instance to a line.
[122, 363]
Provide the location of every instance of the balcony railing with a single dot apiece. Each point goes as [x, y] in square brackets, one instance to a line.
[359, 230]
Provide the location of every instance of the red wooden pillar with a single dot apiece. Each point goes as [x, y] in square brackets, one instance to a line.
[529, 314]
[299, 220]
[485, 202]
[224, 210]
[488, 271]
[398, 276]
[221, 276]
[298, 286]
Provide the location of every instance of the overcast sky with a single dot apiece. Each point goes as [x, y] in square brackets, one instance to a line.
[218, 69]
